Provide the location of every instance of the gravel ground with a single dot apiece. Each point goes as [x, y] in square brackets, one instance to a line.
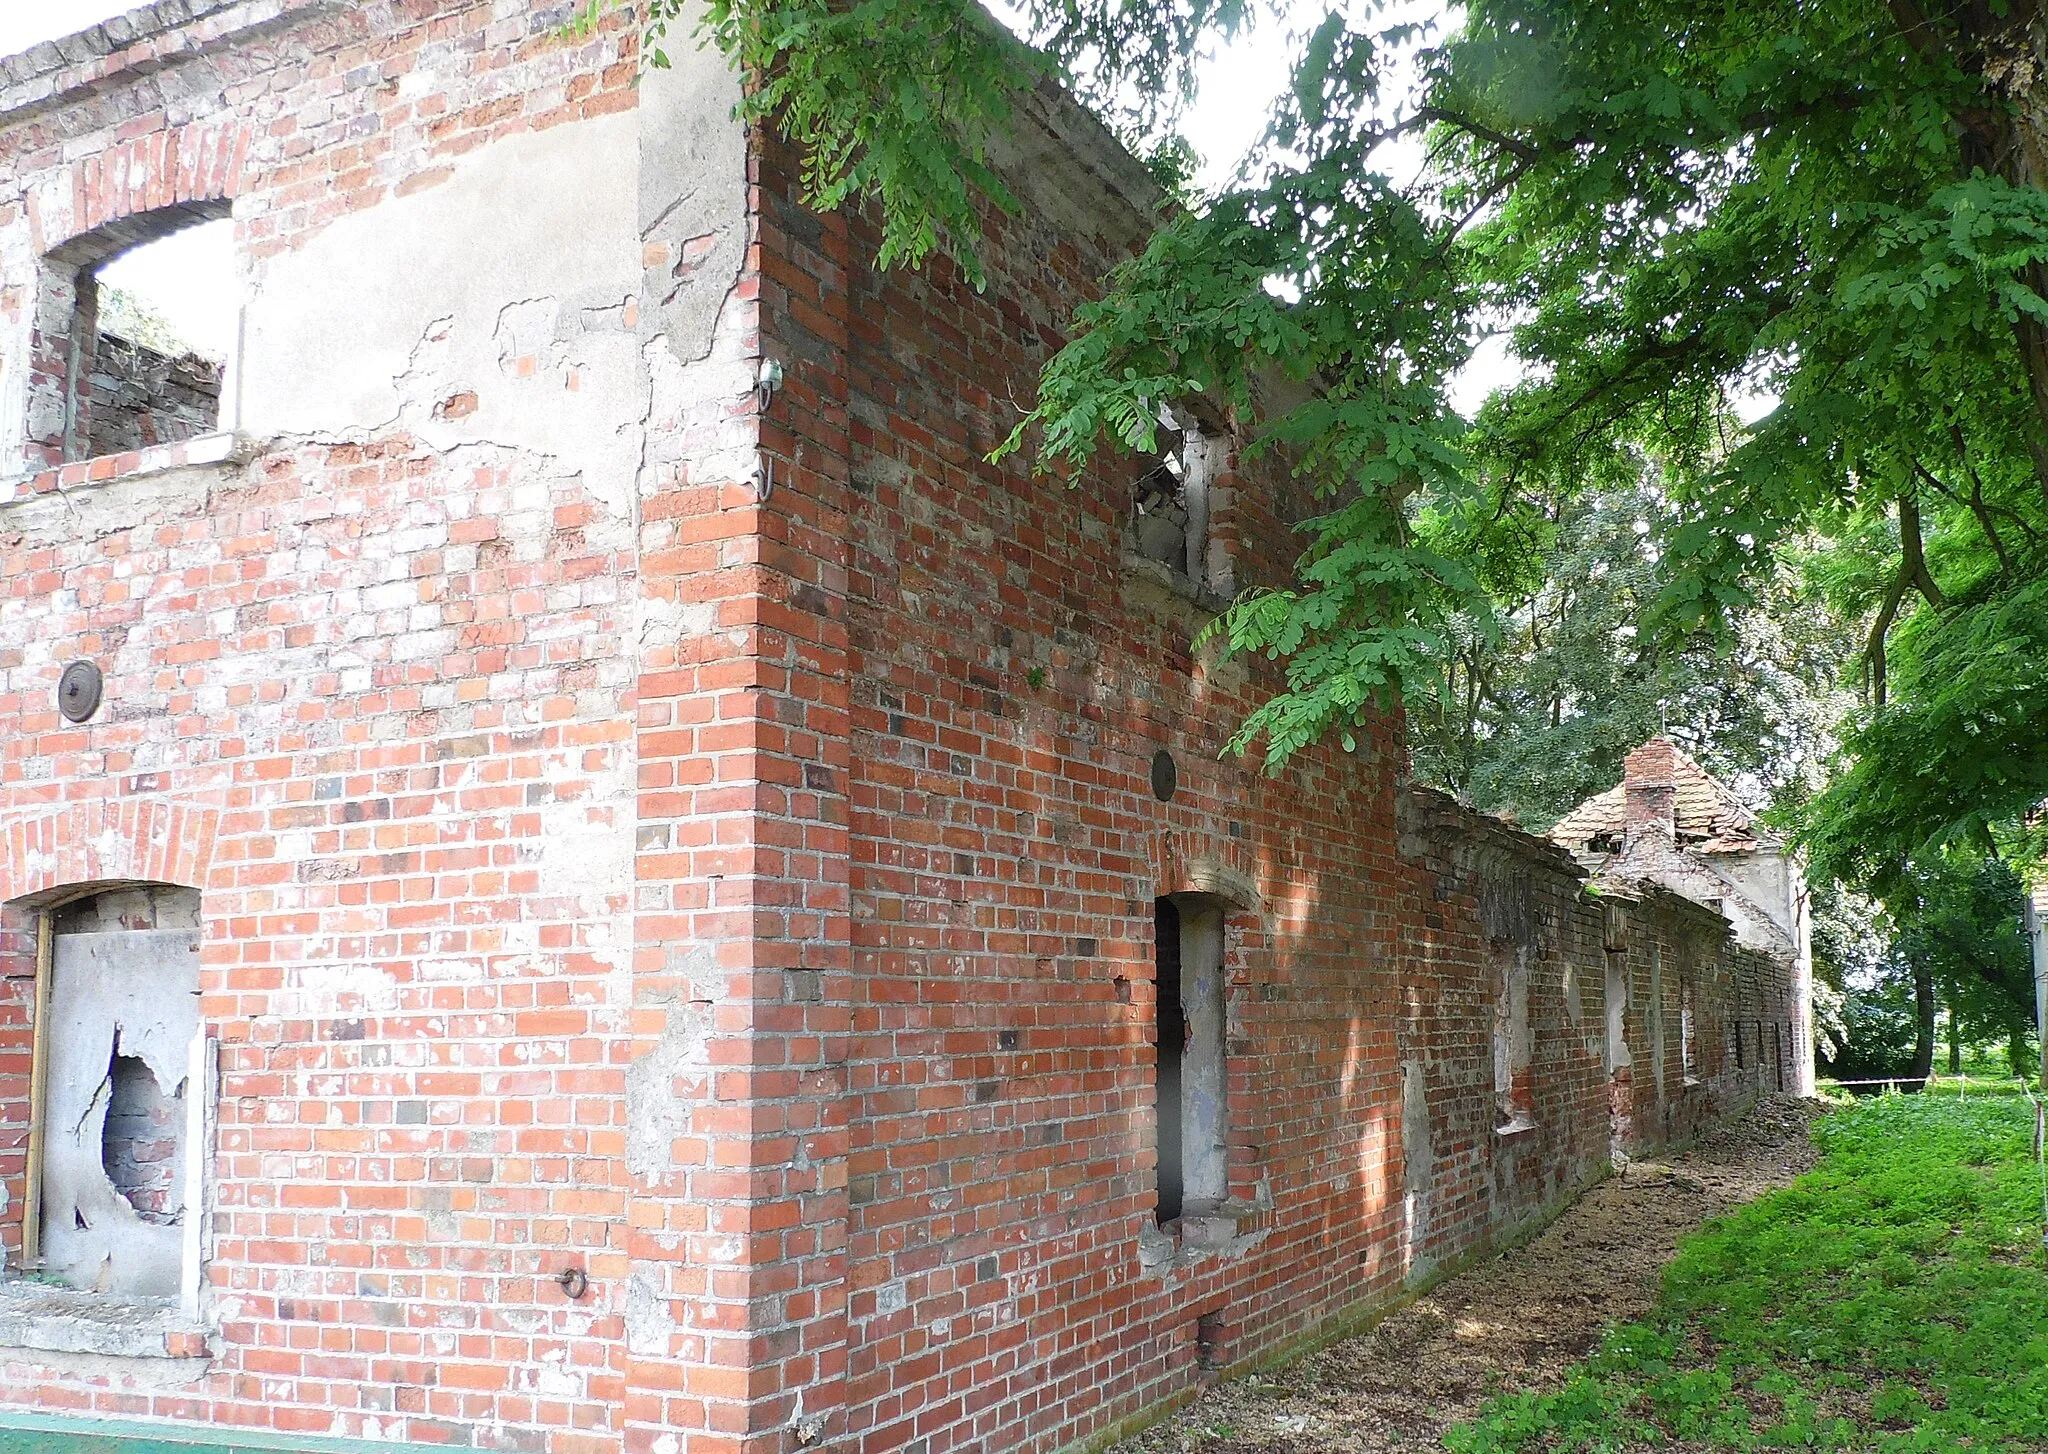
[1517, 1321]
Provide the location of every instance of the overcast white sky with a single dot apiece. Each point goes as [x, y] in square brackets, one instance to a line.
[189, 277]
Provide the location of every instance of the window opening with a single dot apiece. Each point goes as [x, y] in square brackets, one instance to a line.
[1170, 1041]
[135, 330]
[1688, 1050]
[1193, 1070]
[1514, 1081]
[1173, 501]
[119, 1123]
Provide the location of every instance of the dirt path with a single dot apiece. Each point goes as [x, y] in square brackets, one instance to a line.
[1517, 1321]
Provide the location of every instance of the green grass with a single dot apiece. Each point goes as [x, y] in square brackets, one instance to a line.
[1892, 1299]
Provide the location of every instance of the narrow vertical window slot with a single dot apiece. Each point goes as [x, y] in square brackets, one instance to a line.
[1170, 1043]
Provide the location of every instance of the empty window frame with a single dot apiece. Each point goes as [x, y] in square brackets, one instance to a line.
[1173, 504]
[1192, 1078]
[1514, 1078]
[1688, 1034]
[133, 335]
[1620, 1059]
[117, 1093]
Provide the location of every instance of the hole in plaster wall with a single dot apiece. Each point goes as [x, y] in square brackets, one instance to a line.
[139, 1142]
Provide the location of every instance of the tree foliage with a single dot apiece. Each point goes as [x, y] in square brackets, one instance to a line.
[1535, 716]
[1835, 203]
[1946, 936]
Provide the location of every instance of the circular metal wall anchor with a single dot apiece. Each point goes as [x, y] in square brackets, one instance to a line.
[574, 1281]
[79, 691]
[1165, 776]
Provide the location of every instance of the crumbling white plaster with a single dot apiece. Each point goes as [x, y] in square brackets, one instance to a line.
[693, 195]
[655, 1113]
[387, 315]
[649, 1323]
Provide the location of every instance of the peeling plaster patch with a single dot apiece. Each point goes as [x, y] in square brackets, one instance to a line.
[582, 852]
[655, 1114]
[551, 1379]
[666, 621]
[649, 1324]
[321, 991]
[387, 315]
[693, 197]
[524, 331]
[111, 506]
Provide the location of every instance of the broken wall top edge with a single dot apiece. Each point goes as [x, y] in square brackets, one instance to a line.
[1436, 816]
[136, 41]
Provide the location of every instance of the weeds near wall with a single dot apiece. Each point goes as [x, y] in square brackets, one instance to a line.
[1893, 1299]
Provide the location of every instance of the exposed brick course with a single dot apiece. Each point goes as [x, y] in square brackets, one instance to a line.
[747, 902]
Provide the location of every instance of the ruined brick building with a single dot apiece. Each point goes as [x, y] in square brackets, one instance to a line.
[581, 874]
[1670, 822]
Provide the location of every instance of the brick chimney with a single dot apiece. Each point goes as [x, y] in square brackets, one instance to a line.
[1650, 781]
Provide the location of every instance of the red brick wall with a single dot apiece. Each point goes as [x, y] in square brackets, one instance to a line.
[142, 398]
[787, 966]
[1011, 679]
[354, 693]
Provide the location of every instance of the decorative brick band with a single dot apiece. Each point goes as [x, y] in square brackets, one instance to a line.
[108, 840]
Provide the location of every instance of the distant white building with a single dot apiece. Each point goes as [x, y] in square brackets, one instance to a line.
[1671, 822]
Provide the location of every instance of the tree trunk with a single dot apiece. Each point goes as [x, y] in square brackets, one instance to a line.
[2018, 1054]
[2014, 63]
[1923, 1036]
[2005, 47]
[1955, 1046]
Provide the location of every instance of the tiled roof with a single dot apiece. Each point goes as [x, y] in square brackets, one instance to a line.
[1705, 814]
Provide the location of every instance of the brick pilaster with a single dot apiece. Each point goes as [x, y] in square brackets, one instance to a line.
[737, 1320]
